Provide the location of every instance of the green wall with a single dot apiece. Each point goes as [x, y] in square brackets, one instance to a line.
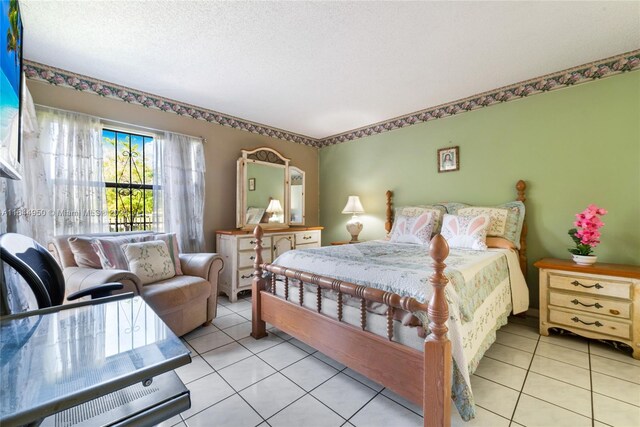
[572, 146]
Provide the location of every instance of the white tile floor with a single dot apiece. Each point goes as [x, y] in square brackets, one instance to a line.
[524, 379]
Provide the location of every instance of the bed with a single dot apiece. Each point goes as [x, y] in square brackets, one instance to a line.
[365, 305]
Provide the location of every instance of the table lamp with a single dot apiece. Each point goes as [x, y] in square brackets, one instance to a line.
[276, 211]
[354, 207]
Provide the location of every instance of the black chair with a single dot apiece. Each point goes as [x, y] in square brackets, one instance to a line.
[42, 273]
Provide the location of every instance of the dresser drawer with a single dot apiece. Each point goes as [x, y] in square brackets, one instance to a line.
[246, 258]
[247, 243]
[245, 277]
[606, 307]
[590, 323]
[590, 285]
[307, 237]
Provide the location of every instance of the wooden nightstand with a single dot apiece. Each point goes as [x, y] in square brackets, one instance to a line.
[345, 242]
[601, 301]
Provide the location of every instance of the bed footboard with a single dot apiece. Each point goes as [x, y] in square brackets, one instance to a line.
[424, 378]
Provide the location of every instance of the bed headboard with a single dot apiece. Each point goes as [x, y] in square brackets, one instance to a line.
[521, 188]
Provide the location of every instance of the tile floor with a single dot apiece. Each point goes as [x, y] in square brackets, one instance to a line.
[523, 380]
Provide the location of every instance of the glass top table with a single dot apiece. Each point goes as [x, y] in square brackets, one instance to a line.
[56, 358]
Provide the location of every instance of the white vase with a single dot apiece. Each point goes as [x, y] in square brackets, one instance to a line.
[585, 259]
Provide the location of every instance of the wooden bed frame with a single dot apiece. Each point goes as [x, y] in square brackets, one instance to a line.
[423, 377]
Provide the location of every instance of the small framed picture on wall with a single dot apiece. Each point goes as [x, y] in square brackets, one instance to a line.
[252, 184]
[449, 159]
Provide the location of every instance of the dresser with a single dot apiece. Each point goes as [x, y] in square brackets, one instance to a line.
[237, 249]
[601, 301]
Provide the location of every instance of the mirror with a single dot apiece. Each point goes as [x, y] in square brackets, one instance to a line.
[296, 196]
[262, 189]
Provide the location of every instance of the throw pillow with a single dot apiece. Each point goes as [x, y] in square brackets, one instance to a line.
[110, 253]
[150, 261]
[413, 229]
[172, 244]
[83, 252]
[466, 232]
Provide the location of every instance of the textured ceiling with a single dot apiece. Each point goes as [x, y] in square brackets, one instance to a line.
[321, 68]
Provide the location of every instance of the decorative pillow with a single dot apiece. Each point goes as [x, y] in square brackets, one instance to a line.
[506, 219]
[83, 252]
[466, 232]
[150, 261]
[413, 211]
[438, 212]
[110, 253]
[413, 229]
[172, 244]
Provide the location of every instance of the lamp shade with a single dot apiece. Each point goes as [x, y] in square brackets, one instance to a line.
[353, 206]
[274, 207]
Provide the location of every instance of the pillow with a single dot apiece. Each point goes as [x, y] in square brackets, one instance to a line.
[83, 252]
[109, 251]
[150, 261]
[172, 244]
[506, 219]
[413, 229]
[500, 242]
[412, 211]
[452, 207]
[466, 232]
[438, 212]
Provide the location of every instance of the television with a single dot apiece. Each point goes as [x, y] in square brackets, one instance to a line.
[11, 88]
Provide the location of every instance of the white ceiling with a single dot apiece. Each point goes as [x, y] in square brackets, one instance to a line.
[321, 68]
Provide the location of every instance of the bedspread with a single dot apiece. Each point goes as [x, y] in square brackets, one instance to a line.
[405, 269]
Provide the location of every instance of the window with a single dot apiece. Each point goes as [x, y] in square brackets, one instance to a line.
[128, 175]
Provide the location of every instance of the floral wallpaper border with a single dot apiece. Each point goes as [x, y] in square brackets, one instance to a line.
[562, 79]
[58, 77]
[581, 74]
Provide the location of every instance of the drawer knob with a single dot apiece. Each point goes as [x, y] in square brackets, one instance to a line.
[615, 312]
[576, 319]
[246, 277]
[597, 285]
[252, 242]
[252, 257]
[306, 237]
[596, 305]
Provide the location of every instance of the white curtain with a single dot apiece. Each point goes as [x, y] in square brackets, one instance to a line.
[179, 188]
[71, 146]
[61, 191]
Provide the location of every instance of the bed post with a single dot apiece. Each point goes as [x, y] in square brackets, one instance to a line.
[389, 223]
[258, 326]
[437, 347]
[521, 187]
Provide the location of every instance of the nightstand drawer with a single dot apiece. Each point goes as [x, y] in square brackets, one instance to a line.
[606, 307]
[590, 285]
[245, 259]
[307, 237]
[590, 323]
[248, 243]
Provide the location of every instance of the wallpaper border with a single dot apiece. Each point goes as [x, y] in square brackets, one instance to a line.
[63, 78]
[570, 77]
[561, 79]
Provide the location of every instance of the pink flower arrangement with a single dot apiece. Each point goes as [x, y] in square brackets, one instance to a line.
[586, 235]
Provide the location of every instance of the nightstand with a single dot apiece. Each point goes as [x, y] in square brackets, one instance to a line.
[346, 242]
[600, 301]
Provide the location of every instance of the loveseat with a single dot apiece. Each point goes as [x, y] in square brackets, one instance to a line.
[184, 302]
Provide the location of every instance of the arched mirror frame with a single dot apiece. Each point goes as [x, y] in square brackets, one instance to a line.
[302, 197]
[269, 157]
